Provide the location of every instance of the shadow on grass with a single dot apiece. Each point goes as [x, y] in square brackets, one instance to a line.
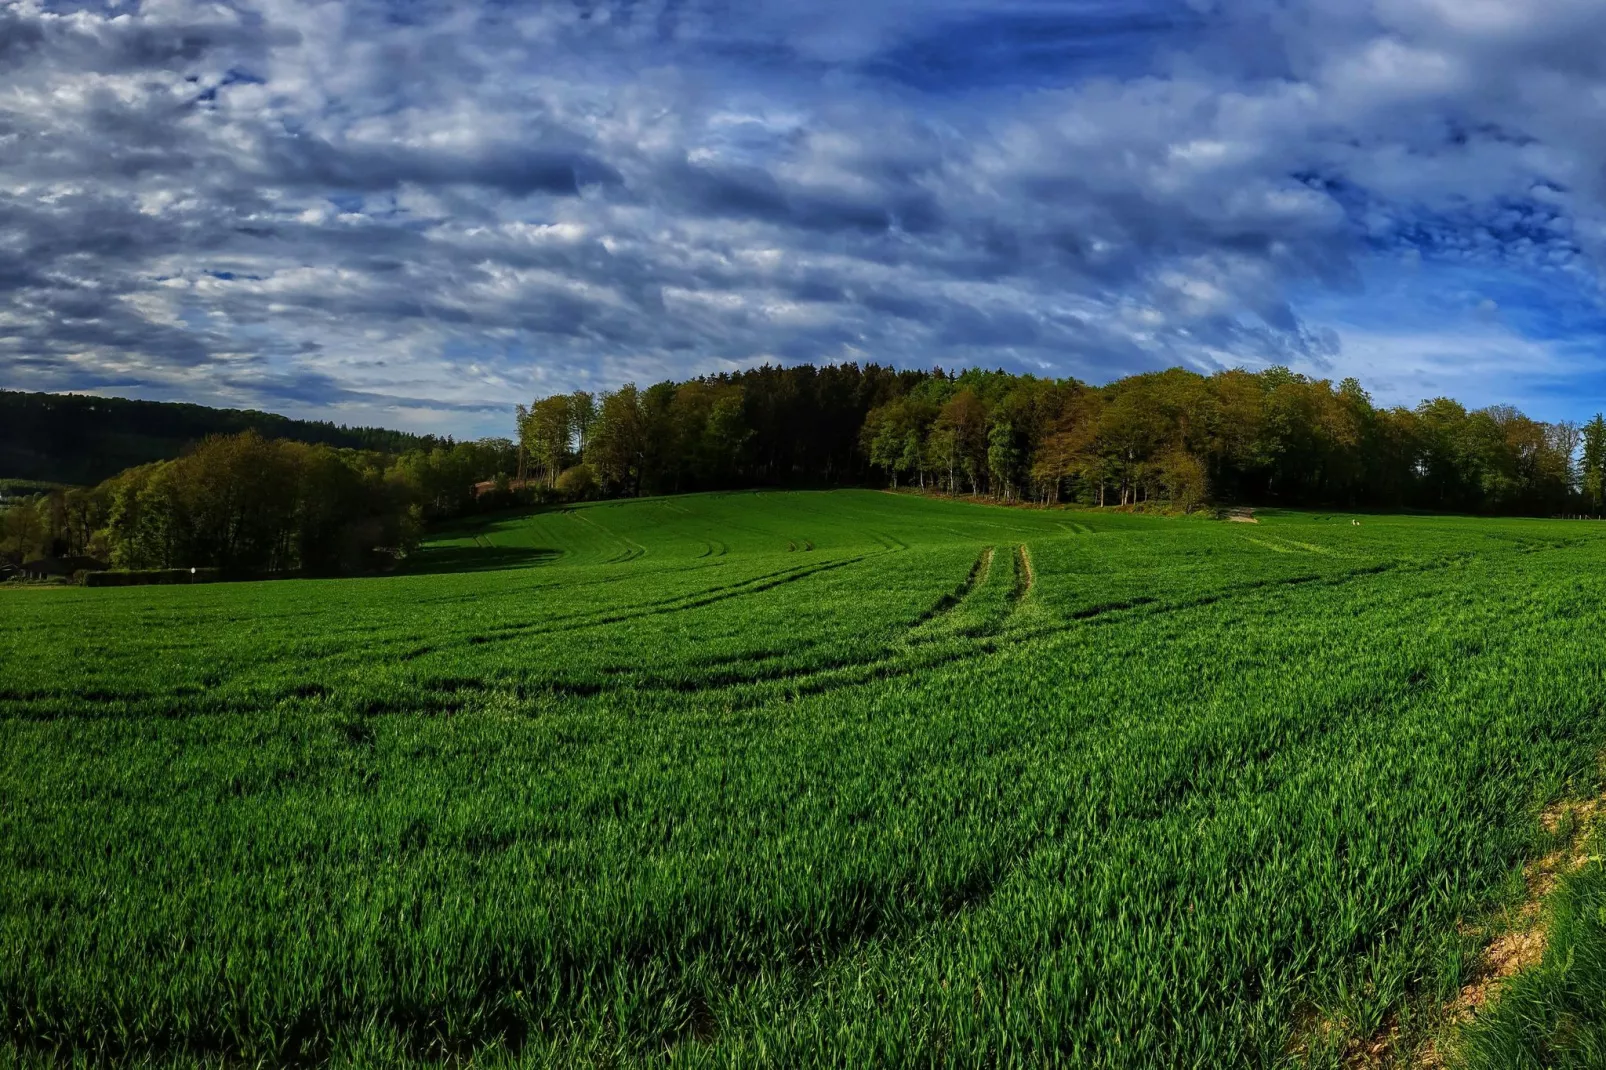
[476, 558]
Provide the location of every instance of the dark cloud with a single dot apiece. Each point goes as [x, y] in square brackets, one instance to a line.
[112, 45]
[753, 193]
[1037, 45]
[518, 170]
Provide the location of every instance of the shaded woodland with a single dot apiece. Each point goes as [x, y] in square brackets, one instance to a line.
[77, 439]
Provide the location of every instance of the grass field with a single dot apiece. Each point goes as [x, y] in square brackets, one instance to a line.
[792, 779]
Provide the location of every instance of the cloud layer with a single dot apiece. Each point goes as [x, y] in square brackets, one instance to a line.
[417, 213]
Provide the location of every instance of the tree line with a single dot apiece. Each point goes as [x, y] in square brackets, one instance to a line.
[1174, 439]
[246, 504]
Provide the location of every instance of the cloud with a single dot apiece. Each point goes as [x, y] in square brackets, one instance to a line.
[425, 212]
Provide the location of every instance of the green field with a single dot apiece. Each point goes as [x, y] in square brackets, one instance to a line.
[790, 779]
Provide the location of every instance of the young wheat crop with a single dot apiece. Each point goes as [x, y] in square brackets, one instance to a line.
[839, 778]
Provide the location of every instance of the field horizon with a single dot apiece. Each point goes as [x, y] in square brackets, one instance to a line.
[795, 778]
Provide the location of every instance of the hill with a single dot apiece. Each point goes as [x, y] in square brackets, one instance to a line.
[794, 779]
[77, 439]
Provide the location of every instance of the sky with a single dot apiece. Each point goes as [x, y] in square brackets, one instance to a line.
[416, 214]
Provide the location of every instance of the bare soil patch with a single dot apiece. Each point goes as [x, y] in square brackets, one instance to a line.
[1518, 943]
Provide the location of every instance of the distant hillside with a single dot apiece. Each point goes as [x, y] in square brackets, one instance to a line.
[71, 438]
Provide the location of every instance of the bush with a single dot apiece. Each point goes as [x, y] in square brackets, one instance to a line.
[578, 482]
[146, 576]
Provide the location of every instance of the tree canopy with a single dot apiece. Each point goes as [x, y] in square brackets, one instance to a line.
[1175, 438]
[246, 504]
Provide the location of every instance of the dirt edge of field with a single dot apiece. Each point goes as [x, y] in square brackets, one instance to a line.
[1520, 944]
[1514, 938]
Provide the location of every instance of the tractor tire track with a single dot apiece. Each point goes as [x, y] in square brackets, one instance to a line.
[951, 601]
[677, 605]
[795, 682]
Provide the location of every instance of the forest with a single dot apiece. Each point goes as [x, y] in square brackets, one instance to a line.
[1175, 439]
[245, 504]
[80, 440]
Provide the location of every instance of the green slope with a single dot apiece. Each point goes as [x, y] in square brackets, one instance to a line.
[839, 778]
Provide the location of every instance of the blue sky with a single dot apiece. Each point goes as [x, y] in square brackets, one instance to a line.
[419, 213]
